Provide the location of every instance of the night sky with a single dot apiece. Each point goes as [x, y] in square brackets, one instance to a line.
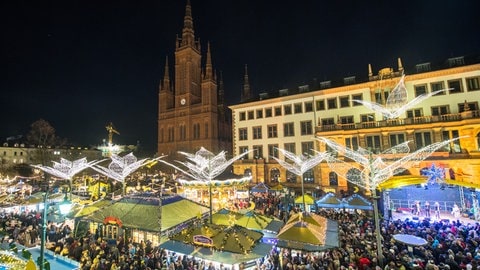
[82, 64]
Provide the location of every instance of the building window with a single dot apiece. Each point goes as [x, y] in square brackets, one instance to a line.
[351, 143]
[333, 179]
[379, 98]
[456, 61]
[273, 150]
[257, 132]
[396, 139]
[287, 109]
[258, 151]
[357, 97]
[260, 114]
[344, 102]
[161, 135]
[298, 108]
[346, 119]
[272, 131]
[468, 106]
[242, 134]
[290, 147]
[473, 84]
[373, 143]
[325, 84]
[420, 90]
[423, 139]
[437, 86]
[196, 131]
[424, 67]
[183, 132]
[456, 85]
[309, 106]
[327, 121]
[268, 112]
[278, 111]
[243, 149]
[274, 175]
[243, 116]
[306, 128]
[307, 148]
[291, 177]
[414, 113]
[250, 115]
[440, 110]
[453, 147]
[171, 134]
[320, 104]
[365, 118]
[206, 130]
[332, 103]
[308, 176]
[288, 130]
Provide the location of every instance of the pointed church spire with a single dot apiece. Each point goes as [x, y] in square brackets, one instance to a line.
[246, 86]
[166, 77]
[188, 34]
[208, 65]
[400, 66]
[221, 90]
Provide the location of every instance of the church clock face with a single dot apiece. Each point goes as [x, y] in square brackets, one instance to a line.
[183, 101]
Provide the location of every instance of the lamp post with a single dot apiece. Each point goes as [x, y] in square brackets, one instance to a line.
[64, 207]
[41, 259]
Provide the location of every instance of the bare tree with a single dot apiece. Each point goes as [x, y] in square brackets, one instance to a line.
[42, 136]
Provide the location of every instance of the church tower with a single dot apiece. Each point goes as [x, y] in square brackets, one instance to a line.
[191, 113]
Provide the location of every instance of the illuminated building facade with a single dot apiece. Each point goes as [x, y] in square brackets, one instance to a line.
[192, 113]
[290, 119]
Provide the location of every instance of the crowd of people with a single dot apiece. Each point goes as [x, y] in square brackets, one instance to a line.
[450, 244]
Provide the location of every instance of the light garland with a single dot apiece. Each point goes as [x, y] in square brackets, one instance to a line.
[11, 261]
[397, 103]
[374, 169]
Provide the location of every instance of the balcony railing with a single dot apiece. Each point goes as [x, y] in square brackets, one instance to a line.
[401, 122]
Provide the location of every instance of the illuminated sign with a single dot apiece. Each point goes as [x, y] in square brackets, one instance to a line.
[202, 240]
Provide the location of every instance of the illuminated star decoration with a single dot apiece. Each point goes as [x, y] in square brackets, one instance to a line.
[121, 167]
[301, 163]
[374, 169]
[396, 103]
[435, 174]
[204, 165]
[66, 169]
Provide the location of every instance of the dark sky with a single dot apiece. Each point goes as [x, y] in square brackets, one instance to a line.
[83, 64]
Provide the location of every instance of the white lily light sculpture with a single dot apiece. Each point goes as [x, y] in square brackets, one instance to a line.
[300, 164]
[396, 103]
[205, 166]
[121, 167]
[66, 169]
[374, 170]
